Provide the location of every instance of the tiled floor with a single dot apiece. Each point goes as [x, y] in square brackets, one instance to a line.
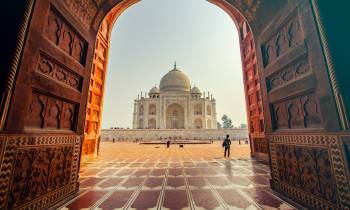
[133, 176]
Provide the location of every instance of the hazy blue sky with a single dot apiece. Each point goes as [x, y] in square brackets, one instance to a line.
[149, 36]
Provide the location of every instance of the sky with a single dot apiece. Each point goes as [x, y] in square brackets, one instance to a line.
[150, 35]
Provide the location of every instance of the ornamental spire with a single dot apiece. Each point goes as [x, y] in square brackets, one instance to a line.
[175, 65]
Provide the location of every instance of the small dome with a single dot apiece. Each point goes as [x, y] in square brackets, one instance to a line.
[154, 90]
[175, 80]
[195, 90]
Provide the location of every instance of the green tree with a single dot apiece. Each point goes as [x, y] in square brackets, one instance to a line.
[226, 121]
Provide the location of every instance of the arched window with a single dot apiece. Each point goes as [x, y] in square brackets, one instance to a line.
[209, 124]
[198, 109]
[198, 124]
[208, 110]
[140, 125]
[141, 110]
[152, 109]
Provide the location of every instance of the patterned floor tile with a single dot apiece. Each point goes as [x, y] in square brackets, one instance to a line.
[117, 200]
[193, 177]
[110, 182]
[175, 199]
[86, 200]
[146, 200]
[205, 199]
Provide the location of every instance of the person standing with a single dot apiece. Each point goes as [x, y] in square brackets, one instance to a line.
[226, 144]
[168, 144]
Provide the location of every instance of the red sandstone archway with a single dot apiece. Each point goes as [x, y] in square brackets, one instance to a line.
[284, 54]
[254, 104]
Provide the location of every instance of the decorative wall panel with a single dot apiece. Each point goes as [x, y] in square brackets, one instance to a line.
[98, 73]
[252, 89]
[299, 112]
[85, 10]
[260, 145]
[56, 71]
[48, 112]
[289, 35]
[310, 169]
[289, 74]
[62, 34]
[38, 170]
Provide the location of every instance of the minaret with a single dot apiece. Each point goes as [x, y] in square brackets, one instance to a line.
[134, 123]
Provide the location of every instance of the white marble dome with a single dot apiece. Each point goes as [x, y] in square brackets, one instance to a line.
[175, 80]
[195, 90]
[154, 90]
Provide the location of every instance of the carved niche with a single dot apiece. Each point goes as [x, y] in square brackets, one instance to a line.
[288, 36]
[298, 112]
[65, 37]
[47, 112]
[56, 71]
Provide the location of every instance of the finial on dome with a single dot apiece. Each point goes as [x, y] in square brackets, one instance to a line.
[175, 65]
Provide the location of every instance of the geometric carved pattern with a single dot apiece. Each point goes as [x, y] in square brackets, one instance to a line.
[310, 169]
[85, 10]
[47, 112]
[288, 36]
[299, 112]
[62, 35]
[58, 72]
[260, 145]
[288, 74]
[38, 171]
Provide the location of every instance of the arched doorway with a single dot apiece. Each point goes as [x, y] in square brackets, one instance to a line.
[175, 117]
[152, 110]
[197, 109]
[287, 80]
[209, 125]
[152, 124]
[198, 124]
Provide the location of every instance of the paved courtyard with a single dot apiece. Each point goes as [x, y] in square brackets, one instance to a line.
[134, 176]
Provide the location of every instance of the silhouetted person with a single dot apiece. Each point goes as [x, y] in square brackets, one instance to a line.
[113, 140]
[239, 141]
[168, 144]
[226, 144]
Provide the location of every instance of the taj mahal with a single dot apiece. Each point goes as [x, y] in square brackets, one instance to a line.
[175, 105]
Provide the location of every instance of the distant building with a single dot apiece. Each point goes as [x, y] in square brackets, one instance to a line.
[175, 105]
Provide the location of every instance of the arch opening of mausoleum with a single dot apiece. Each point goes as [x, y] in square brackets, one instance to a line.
[140, 124]
[197, 109]
[141, 110]
[54, 86]
[152, 110]
[152, 124]
[175, 117]
[209, 126]
[208, 110]
[198, 124]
